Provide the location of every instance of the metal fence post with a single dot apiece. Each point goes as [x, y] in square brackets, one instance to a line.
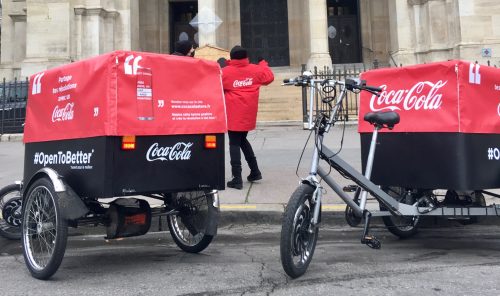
[304, 99]
[4, 99]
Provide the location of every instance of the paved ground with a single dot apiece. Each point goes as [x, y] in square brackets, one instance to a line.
[245, 260]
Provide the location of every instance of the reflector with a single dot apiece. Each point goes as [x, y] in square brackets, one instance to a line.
[210, 142]
[128, 142]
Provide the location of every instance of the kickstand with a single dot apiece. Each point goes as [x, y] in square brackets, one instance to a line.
[369, 240]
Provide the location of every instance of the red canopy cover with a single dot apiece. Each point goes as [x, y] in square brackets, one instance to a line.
[453, 96]
[125, 93]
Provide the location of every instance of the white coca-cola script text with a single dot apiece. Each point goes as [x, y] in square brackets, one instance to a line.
[63, 114]
[178, 151]
[240, 83]
[423, 95]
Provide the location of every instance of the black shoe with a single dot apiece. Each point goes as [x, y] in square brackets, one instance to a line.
[235, 183]
[254, 176]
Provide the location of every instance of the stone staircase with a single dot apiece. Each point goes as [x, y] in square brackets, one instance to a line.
[284, 103]
[280, 103]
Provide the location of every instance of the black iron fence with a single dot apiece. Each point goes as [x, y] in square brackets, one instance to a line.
[350, 104]
[13, 97]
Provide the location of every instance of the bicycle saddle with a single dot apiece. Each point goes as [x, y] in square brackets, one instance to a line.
[383, 119]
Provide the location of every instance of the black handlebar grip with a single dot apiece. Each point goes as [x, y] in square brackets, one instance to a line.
[373, 88]
[286, 80]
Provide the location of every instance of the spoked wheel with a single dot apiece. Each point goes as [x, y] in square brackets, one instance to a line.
[188, 226]
[403, 227]
[10, 211]
[45, 231]
[298, 237]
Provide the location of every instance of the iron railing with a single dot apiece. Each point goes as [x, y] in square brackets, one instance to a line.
[13, 97]
[350, 104]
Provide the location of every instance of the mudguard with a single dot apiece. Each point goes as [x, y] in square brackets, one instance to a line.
[213, 213]
[70, 204]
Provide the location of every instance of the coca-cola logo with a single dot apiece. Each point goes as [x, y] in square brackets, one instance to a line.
[63, 114]
[245, 82]
[179, 151]
[423, 95]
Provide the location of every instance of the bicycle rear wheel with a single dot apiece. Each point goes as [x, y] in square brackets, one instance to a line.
[45, 231]
[298, 237]
[188, 227]
[402, 227]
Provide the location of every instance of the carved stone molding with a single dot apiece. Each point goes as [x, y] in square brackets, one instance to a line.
[80, 10]
[417, 2]
[18, 16]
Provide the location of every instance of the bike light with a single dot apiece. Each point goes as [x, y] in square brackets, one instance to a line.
[128, 142]
[210, 142]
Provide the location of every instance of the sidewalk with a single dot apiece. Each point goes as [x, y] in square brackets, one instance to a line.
[278, 147]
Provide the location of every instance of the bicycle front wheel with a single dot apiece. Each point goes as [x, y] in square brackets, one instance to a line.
[298, 236]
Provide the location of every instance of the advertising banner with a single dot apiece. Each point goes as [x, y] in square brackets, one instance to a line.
[453, 96]
[449, 132]
[126, 93]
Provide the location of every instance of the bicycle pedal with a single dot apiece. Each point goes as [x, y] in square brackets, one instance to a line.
[371, 241]
[350, 188]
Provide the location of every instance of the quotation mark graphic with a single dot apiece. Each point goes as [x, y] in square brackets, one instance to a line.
[493, 154]
[96, 111]
[161, 103]
[37, 156]
[37, 84]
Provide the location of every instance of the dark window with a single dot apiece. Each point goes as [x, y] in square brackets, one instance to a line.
[181, 13]
[343, 31]
[264, 30]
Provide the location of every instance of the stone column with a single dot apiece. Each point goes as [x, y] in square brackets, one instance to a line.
[403, 35]
[78, 32]
[207, 19]
[94, 32]
[318, 32]
[47, 36]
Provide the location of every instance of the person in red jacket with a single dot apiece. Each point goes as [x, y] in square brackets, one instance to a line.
[241, 82]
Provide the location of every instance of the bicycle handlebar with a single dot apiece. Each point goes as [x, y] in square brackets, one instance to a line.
[349, 83]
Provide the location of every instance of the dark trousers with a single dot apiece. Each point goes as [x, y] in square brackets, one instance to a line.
[237, 141]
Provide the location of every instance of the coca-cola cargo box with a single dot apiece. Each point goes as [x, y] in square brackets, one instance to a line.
[449, 133]
[77, 115]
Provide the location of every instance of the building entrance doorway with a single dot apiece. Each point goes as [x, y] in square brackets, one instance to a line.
[264, 30]
[343, 31]
[181, 13]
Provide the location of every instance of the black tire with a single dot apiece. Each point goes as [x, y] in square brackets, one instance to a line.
[11, 211]
[297, 243]
[402, 227]
[188, 226]
[45, 232]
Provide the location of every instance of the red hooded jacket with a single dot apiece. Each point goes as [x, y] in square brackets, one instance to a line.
[241, 82]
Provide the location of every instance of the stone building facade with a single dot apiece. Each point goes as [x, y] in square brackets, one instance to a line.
[39, 34]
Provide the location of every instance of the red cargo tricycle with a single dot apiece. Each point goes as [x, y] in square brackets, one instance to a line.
[436, 131]
[131, 126]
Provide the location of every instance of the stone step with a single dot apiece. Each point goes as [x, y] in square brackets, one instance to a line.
[279, 103]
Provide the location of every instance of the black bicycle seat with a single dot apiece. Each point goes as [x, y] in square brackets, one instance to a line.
[383, 118]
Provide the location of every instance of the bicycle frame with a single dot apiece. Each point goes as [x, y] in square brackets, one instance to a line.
[363, 181]
[400, 207]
